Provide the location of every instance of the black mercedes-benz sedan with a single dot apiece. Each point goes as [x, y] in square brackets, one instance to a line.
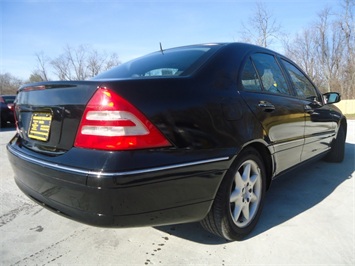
[194, 133]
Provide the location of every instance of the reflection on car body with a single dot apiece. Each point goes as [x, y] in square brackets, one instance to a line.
[196, 133]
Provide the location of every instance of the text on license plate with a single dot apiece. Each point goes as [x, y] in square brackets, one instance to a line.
[40, 126]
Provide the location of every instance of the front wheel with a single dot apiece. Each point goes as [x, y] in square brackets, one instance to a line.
[240, 198]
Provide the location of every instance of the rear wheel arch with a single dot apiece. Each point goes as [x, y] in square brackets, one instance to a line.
[265, 155]
[267, 160]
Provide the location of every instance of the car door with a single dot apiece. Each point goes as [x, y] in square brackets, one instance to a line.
[320, 123]
[269, 97]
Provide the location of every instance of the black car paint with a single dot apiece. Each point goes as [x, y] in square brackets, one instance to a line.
[115, 196]
[206, 116]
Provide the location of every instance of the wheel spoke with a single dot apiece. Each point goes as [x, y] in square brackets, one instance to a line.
[245, 211]
[235, 195]
[237, 211]
[254, 178]
[254, 197]
[246, 172]
[238, 179]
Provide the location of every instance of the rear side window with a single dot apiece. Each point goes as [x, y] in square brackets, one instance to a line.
[300, 82]
[270, 74]
[250, 79]
[173, 62]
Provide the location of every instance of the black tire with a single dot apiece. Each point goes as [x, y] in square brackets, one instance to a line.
[337, 151]
[240, 194]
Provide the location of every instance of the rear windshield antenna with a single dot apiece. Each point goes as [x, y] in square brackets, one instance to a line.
[161, 49]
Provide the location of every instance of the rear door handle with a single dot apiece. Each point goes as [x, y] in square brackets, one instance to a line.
[268, 107]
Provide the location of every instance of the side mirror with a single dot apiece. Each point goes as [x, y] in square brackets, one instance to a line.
[331, 97]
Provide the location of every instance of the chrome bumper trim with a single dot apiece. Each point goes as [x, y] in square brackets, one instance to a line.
[108, 174]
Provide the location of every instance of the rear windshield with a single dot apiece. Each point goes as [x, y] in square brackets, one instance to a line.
[173, 62]
[9, 99]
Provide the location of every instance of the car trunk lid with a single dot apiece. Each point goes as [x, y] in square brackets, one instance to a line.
[48, 114]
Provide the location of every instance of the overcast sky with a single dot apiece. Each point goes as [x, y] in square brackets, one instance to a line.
[132, 28]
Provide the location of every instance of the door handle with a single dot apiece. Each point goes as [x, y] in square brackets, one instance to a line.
[268, 107]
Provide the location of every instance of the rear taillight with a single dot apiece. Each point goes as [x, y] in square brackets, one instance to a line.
[110, 122]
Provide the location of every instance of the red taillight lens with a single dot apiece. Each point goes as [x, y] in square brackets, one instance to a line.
[111, 123]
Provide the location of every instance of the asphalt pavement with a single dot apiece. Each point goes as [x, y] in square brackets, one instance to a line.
[308, 219]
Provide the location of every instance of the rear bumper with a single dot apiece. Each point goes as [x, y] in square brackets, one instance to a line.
[151, 196]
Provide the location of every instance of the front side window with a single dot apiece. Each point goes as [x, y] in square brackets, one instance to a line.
[300, 82]
[270, 73]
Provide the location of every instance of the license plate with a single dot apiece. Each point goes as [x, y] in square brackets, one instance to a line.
[40, 126]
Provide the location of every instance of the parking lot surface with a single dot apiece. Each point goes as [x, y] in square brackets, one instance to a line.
[308, 219]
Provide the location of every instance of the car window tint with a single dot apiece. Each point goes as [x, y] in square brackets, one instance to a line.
[249, 77]
[270, 73]
[9, 99]
[300, 82]
[172, 62]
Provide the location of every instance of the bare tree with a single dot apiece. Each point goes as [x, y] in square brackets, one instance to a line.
[94, 63]
[75, 63]
[302, 48]
[112, 60]
[262, 28]
[62, 68]
[347, 25]
[9, 84]
[100, 62]
[35, 77]
[40, 73]
[330, 47]
[76, 58]
[326, 50]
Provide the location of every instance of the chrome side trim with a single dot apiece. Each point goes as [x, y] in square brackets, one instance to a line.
[108, 174]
